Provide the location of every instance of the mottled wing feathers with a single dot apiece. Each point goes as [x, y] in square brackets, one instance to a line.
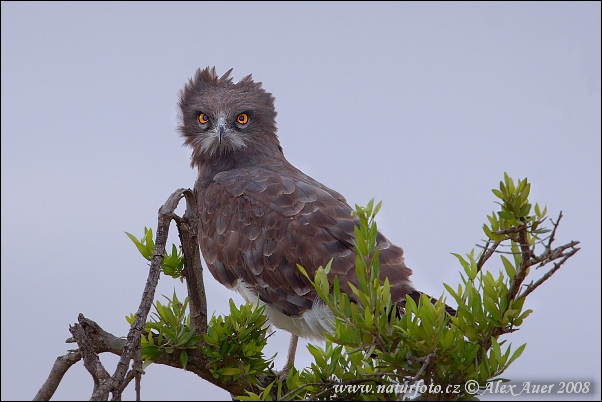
[258, 223]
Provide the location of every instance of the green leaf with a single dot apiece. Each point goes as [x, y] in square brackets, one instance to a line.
[462, 261]
[517, 353]
[504, 191]
[370, 205]
[525, 210]
[231, 371]
[130, 318]
[377, 208]
[183, 359]
[496, 350]
[509, 183]
[506, 215]
[525, 192]
[368, 318]
[143, 249]
[304, 272]
[149, 239]
[360, 241]
[510, 269]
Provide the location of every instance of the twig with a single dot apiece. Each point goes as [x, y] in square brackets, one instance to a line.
[532, 286]
[517, 229]
[553, 234]
[541, 241]
[137, 367]
[131, 374]
[134, 374]
[487, 253]
[427, 360]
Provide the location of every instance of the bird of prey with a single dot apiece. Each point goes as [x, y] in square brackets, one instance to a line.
[260, 216]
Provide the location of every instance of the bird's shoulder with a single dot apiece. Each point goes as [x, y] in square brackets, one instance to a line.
[283, 189]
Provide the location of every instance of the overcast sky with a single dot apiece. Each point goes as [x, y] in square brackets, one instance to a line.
[422, 106]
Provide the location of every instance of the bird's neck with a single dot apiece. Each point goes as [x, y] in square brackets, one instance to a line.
[238, 160]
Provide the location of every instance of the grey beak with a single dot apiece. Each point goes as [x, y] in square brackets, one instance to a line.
[221, 128]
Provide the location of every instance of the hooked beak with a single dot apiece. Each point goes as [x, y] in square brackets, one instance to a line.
[221, 128]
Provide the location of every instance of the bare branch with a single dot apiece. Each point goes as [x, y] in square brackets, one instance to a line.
[92, 363]
[166, 213]
[103, 341]
[188, 229]
[549, 255]
[92, 334]
[60, 367]
[137, 368]
[522, 271]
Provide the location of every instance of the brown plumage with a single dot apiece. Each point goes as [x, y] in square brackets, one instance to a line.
[260, 215]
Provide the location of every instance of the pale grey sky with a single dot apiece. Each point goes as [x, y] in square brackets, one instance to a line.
[421, 105]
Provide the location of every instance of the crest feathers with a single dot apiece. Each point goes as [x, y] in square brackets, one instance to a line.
[208, 76]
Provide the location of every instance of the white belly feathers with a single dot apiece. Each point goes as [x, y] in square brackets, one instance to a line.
[311, 325]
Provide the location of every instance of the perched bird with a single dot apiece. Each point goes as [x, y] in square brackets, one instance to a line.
[260, 216]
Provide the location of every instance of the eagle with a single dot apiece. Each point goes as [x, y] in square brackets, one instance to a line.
[260, 216]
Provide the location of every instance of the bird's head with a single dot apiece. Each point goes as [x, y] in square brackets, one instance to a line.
[222, 119]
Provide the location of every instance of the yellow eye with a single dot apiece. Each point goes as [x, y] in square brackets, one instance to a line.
[242, 118]
[203, 118]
